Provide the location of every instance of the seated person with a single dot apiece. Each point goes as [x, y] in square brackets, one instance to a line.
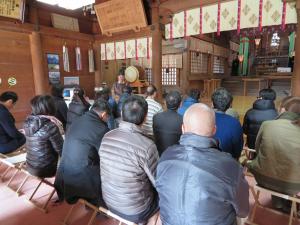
[276, 165]
[10, 138]
[44, 139]
[78, 106]
[103, 94]
[61, 106]
[197, 184]
[263, 109]
[193, 97]
[154, 107]
[128, 161]
[229, 132]
[118, 87]
[78, 175]
[167, 125]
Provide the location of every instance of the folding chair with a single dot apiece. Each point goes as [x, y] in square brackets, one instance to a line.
[44, 206]
[12, 162]
[247, 151]
[256, 190]
[94, 214]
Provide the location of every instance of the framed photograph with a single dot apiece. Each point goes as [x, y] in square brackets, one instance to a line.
[53, 68]
[71, 81]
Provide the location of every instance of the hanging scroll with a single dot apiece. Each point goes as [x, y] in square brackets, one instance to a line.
[66, 59]
[78, 59]
[91, 61]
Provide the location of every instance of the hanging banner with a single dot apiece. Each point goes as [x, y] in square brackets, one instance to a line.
[78, 59]
[66, 59]
[231, 15]
[91, 61]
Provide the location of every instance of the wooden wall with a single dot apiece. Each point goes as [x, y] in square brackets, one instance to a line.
[15, 61]
[54, 45]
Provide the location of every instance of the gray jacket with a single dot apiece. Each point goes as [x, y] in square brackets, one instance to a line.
[128, 162]
[197, 184]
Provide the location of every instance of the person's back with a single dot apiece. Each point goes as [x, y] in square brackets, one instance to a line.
[10, 138]
[194, 95]
[78, 175]
[229, 132]
[198, 184]
[277, 162]
[154, 107]
[61, 106]
[167, 125]
[263, 110]
[128, 161]
[44, 140]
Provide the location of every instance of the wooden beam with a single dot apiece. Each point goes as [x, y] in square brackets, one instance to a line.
[176, 6]
[296, 72]
[144, 32]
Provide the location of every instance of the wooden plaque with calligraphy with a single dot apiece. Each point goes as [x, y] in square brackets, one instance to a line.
[12, 9]
[119, 15]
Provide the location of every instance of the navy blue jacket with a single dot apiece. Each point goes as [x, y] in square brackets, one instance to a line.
[10, 137]
[186, 104]
[197, 184]
[229, 134]
[262, 110]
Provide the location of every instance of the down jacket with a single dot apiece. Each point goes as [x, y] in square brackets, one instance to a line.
[262, 110]
[197, 184]
[128, 161]
[44, 144]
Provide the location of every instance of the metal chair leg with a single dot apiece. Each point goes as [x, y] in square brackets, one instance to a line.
[65, 222]
[21, 185]
[41, 181]
[12, 177]
[48, 200]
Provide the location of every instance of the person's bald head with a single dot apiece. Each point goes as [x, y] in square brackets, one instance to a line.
[199, 119]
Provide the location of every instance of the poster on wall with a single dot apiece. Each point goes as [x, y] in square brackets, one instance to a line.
[12, 9]
[53, 68]
[71, 81]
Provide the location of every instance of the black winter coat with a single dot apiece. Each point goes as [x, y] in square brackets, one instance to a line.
[44, 144]
[167, 129]
[78, 175]
[76, 109]
[10, 137]
[61, 110]
[262, 110]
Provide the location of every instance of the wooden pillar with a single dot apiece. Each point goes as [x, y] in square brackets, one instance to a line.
[37, 63]
[98, 75]
[296, 73]
[156, 51]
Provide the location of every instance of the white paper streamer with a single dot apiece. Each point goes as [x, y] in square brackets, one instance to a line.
[78, 58]
[66, 59]
[91, 61]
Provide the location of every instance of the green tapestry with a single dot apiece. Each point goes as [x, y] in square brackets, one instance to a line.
[244, 50]
[292, 44]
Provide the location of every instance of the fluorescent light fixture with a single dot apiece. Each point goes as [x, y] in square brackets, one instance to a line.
[69, 4]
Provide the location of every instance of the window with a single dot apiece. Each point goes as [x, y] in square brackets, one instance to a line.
[169, 76]
[199, 62]
[219, 65]
[148, 72]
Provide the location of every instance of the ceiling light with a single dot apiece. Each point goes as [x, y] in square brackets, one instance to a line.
[69, 4]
